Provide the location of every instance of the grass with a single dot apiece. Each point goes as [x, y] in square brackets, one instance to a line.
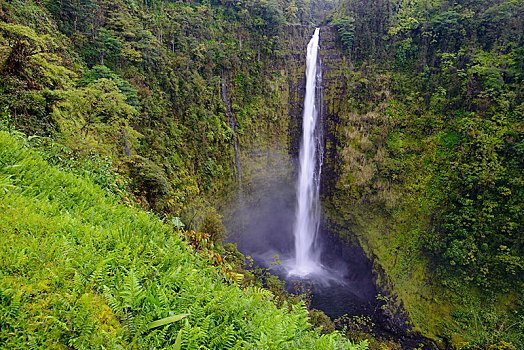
[79, 269]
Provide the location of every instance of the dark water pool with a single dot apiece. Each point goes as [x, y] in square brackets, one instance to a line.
[346, 284]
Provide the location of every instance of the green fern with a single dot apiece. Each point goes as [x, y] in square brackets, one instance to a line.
[113, 302]
[140, 323]
[128, 323]
[62, 300]
[132, 293]
[14, 306]
[162, 298]
[6, 183]
[79, 283]
[225, 339]
[265, 293]
[100, 274]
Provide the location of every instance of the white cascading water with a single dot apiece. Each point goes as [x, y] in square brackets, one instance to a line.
[307, 258]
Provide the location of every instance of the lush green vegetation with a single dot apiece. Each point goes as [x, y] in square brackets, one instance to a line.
[126, 102]
[123, 103]
[437, 95]
[128, 79]
[81, 270]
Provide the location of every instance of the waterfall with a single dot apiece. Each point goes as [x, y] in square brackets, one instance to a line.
[307, 255]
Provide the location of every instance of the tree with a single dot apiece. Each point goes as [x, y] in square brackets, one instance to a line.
[96, 115]
[346, 29]
[103, 72]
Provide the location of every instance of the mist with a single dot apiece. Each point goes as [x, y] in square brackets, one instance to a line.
[261, 219]
[260, 222]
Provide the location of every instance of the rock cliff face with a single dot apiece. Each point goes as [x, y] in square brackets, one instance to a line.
[270, 158]
[287, 85]
[335, 91]
[295, 63]
[273, 152]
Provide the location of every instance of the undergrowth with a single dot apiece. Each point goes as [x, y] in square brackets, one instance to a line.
[80, 270]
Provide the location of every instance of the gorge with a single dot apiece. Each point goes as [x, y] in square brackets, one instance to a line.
[175, 174]
[308, 254]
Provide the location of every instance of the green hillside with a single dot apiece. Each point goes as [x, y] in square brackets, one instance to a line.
[80, 270]
[429, 156]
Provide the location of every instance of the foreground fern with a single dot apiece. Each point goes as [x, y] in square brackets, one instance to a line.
[79, 270]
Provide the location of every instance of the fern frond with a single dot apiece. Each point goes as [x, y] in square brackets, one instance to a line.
[64, 302]
[99, 275]
[113, 302]
[76, 343]
[225, 339]
[128, 323]
[14, 306]
[163, 299]
[133, 293]
[265, 293]
[140, 323]
[79, 282]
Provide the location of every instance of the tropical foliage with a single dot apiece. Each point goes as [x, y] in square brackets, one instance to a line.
[81, 270]
[137, 104]
[436, 91]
